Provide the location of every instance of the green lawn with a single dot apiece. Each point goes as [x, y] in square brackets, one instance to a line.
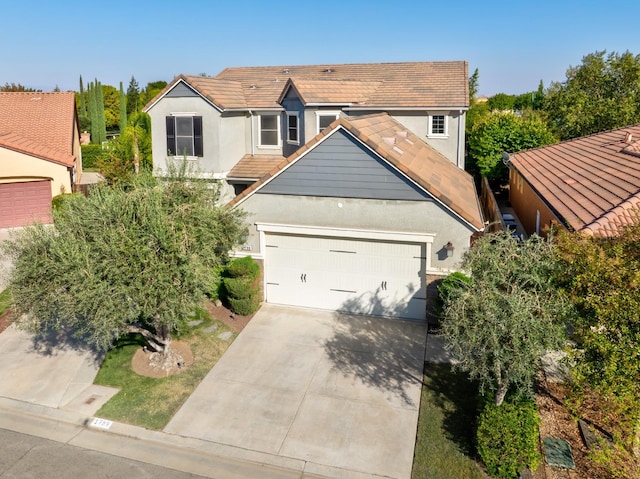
[149, 402]
[444, 444]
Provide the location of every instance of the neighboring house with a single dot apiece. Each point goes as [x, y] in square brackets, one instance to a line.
[359, 218]
[589, 184]
[39, 154]
[238, 125]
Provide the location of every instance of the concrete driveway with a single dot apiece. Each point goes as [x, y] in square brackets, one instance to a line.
[340, 392]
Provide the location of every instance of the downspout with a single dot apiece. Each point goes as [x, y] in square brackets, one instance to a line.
[252, 133]
[460, 142]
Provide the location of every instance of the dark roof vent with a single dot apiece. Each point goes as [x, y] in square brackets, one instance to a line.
[285, 70]
[327, 70]
[253, 86]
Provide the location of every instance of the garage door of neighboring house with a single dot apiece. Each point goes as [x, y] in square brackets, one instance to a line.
[351, 275]
[23, 203]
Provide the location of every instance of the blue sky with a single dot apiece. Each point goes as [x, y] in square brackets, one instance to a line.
[514, 44]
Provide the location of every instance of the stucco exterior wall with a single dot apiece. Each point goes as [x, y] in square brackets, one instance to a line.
[17, 167]
[211, 162]
[526, 204]
[423, 217]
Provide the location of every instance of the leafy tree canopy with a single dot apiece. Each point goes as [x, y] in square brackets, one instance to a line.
[600, 94]
[501, 323]
[123, 260]
[498, 132]
[12, 87]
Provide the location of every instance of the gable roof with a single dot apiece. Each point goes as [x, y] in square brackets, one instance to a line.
[39, 124]
[427, 168]
[421, 85]
[253, 167]
[591, 183]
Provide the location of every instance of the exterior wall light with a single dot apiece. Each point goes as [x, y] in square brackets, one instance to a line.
[449, 249]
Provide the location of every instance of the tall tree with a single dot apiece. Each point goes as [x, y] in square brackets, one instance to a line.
[499, 132]
[133, 96]
[473, 86]
[123, 110]
[102, 129]
[135, 260]
[601, 94]
[501, 323]
[602, 277]
[83, 106]
[93, 113]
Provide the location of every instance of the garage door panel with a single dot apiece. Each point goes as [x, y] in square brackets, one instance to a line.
[24, 203]
[358, 276]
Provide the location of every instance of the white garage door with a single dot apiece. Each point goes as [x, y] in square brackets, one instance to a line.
[357, 276]
[24, 203]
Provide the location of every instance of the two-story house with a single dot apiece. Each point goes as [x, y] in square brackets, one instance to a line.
[352, 175]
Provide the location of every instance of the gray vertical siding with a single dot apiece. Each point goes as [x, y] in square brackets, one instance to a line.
[181, 90]
[341, 167]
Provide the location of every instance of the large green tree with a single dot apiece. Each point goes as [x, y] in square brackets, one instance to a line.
[600, 94]
[134, 260]
[133, 96]
[500, 324]
[498, 132]
[602, 277]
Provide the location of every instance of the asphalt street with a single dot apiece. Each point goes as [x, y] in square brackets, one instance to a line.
[26, 457]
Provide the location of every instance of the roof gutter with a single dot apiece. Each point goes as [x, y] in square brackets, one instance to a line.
[406, 108]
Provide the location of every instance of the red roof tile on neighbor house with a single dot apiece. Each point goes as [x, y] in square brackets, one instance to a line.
[451, 186]
[592, 183]
[39, 124]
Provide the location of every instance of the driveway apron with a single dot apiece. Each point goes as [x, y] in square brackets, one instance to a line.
[337, 391]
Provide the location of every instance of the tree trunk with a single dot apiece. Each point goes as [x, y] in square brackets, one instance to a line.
[500, 394]
[160, 342]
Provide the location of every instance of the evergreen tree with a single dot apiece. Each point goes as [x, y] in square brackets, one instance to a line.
[92, 113]
[83, 106]
[133, 96]
[102, 131]
[123, 110]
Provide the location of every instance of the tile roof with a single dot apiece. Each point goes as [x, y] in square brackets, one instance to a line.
[592, 183]
[364, 85]
[254, 167]
[448, 184]
[39, 124]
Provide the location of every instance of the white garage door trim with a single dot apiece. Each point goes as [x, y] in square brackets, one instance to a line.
[394, 286]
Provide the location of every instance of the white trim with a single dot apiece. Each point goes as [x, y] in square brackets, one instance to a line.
[195, 90]
[278, 144]
[329, 104]
[395, 236]
[297, 115]
[430, 133]
[320, 113]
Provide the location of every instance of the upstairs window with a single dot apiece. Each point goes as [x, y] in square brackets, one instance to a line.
[269, 130]
[437, 125]
[184, 136]
[325, 119]
[292, 128]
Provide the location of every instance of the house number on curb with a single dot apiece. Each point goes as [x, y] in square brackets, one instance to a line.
[101, 423]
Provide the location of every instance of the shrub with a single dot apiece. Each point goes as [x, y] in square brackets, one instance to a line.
[245, 306]
[240, 285]
[240, 288]
[507, 438]
[450, 283]
[92, 155]
[245, 266]
[58, 201]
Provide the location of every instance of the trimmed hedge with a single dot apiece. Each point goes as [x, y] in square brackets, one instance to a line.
[507, 438]
[240, 285]
[92, 155]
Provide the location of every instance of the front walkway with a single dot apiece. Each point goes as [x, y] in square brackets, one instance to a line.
[340, 392]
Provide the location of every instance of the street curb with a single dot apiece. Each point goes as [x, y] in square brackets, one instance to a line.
[195, 456]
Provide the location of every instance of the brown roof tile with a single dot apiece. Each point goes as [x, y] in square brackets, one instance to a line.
[375, 85]
[425, 166]
[39, 124]
[592, 183]
[254, 167]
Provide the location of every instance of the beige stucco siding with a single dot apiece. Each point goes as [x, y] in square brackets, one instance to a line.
[527, 205]
[420, 217]
[18, 167]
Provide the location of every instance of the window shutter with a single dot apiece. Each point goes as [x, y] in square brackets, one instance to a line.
[197, 136]
[171, 135]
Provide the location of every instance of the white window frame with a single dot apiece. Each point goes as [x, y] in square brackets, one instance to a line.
[278, 142]
[321, 113]
[445, 134]
[289, 140]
